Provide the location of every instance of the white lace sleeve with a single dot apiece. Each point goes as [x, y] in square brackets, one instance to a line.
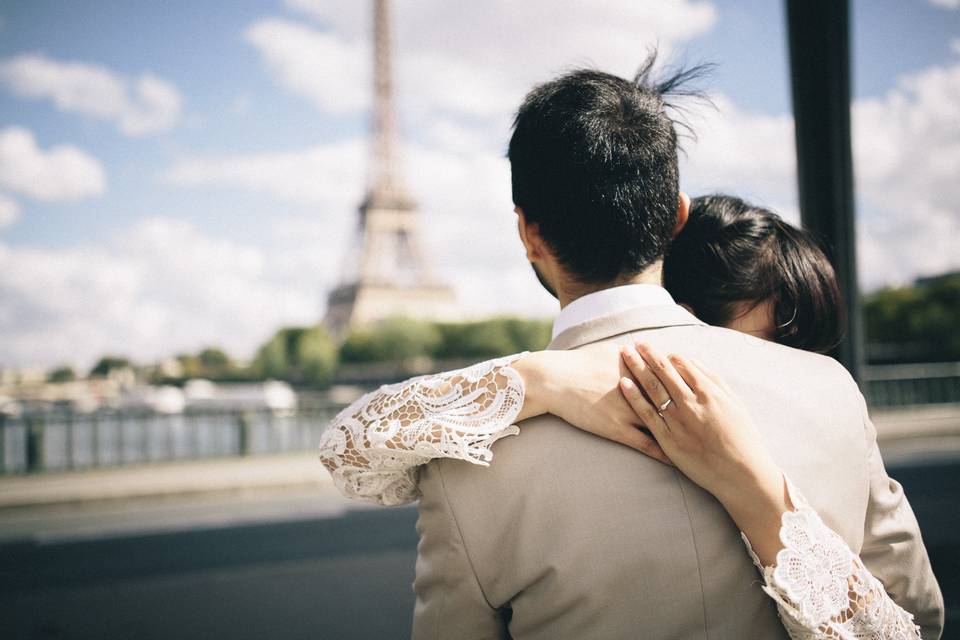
[822, 589]
[374, 447]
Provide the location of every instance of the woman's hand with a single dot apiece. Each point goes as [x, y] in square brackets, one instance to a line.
[581, 386]
[708, 434]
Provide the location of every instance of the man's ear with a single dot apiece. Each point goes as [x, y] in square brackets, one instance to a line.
[529, 236]
[683, 213]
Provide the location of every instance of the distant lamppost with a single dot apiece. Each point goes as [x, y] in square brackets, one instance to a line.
[819, 35]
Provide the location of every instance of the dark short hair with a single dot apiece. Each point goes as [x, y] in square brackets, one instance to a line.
[593, 160]
[731, 252]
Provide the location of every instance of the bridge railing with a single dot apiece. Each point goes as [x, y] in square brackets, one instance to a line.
[61, 440]
[904, 385]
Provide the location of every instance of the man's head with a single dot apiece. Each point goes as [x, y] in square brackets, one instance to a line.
[594, 171]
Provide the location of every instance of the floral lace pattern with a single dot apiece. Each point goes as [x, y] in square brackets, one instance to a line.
[374, 447]
[822, 589]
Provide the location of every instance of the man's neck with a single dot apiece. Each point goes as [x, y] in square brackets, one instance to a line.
[571, 291]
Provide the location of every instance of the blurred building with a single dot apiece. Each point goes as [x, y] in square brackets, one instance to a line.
[386, 273]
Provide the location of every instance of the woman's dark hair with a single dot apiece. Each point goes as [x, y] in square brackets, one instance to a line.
[731, 254]
[593, 161]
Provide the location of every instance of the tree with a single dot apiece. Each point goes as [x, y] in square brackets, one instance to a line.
[316, 355]
[916, 323]
[300, 355]
[107, 364]
[528, 335]
[391, 340]
[62, 374]
[191, 365]
[492, 338]
[214, 359]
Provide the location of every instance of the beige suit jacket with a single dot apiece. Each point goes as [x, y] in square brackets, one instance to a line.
[567, 535]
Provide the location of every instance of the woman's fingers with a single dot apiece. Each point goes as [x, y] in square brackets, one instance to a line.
[665, 372]
[644, 443]
[644, 375]
[698, 380]
[645, 411]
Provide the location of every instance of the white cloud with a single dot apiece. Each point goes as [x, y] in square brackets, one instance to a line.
[456, 168]
[9, 211]
[329, 175]
[321, 66]
[907, 159]
[158, 287]
[745, 153]
[482, 58]
[467, 215]
[946, 4]
[61, 173]
[140, 106]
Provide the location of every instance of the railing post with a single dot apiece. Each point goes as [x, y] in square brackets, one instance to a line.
[145, 423]
[3, 443]
[95, 457]
[35, 433]
[244, 433]
[70, 444]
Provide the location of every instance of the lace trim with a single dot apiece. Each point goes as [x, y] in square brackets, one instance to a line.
[374, 447]
[822, 589]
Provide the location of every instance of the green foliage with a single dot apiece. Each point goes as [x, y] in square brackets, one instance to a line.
[391, 340]
[913, 324]
[211, 363]
[299, 355]
[214, 359]
[400, 339]
[492, 338]
[62, 374]
[107, 364]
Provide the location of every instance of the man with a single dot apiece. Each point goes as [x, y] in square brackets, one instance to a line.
[566, 535]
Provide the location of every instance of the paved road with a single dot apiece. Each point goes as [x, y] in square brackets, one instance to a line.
[277, 565]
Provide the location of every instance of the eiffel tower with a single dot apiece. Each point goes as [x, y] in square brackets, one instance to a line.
[386, 273]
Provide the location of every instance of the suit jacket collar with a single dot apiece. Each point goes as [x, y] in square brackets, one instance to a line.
[636, 319]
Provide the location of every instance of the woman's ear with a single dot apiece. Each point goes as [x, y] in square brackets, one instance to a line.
[683, 213]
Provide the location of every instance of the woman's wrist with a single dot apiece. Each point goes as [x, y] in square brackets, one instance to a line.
[533, 369]
[757, 505]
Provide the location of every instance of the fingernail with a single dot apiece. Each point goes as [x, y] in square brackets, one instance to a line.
[626, 383]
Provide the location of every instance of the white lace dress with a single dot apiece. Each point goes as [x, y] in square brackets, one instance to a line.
[374, 447]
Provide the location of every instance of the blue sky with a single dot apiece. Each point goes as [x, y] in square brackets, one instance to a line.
[180, 174]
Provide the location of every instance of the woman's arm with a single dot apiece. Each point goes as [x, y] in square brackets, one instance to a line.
[374, 447]
[822, 589]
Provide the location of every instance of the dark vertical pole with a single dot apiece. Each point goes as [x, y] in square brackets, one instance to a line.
[71, 444]
[819, 34]
[36, 460]
[3, 443]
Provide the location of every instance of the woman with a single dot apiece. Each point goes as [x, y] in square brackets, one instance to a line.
[734, 265]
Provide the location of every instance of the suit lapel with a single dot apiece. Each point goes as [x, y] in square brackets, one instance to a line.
[636, 319]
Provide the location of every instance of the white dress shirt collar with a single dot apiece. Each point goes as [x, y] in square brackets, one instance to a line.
[607, 302]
